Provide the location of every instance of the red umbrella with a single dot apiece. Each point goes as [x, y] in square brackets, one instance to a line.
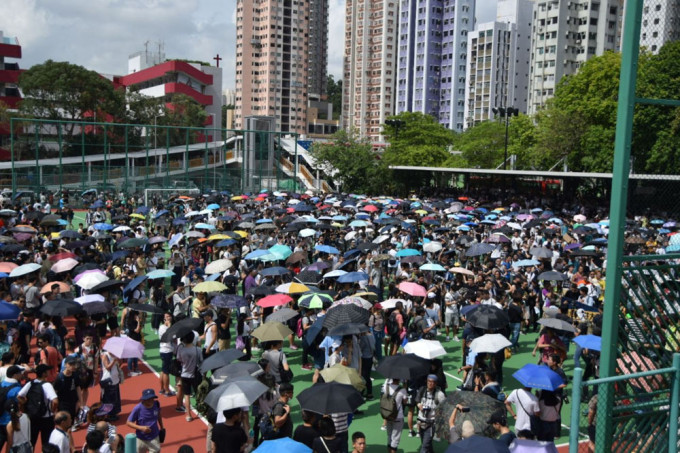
[62, 256]
[7, 266]
[274, 300]
[412, 289]
[370, 208]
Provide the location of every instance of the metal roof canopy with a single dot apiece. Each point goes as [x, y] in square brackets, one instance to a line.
[534, 173]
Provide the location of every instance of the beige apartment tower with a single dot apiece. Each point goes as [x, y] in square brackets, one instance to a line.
[369, 69]
[272, 38]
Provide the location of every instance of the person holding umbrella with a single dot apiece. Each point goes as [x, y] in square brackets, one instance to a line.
[229, 437]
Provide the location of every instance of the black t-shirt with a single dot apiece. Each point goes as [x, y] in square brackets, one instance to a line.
[24, 329]
[507, 438]
[66, 388]
[515, 313]
[228, 439]
[333, 445]
[286, 430]
[306, 435]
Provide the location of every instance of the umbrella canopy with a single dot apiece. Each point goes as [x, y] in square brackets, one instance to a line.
[353, 277]
[61, 307]
[489, 343]
[24, 269]
[107, 285]
[541, 252]
[404, 367]
[553, 276]
[479, 249]
[343, 375]
[433, 247]
[220, 359]
[484, 406]
[353, 300]
[181, 328]
[273, 271]
[632, 362]
[159, 273]
[209, 287]
[272, 331]
[218, 266]
[538, 377]
[292, 288]
[476, 444]
[345, 314]
[274, 300]
[284, 444]
[412, 289]
[315, 300]
[63, 287]
[557, 324]
[488, 317]
[532, 446]
[236, 393]
[7, 266]
[228, 301]
[134, 283]
[124, 348]
[434, 267]
[236, 370]
[329, 398]
[89, 298]
[589, 342]
[282, 315]
[426, 349]
[9, 312]
[64, 265]
[94, 308]
[348, 329]
[89, 281]
[147, 308]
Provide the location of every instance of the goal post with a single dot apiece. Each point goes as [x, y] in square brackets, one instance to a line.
[165, 194]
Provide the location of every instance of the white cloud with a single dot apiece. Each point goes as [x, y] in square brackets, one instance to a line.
[336, 37]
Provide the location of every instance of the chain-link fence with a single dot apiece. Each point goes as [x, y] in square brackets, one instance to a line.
[76, 157]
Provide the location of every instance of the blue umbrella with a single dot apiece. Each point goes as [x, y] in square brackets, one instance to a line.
[284, 444]
[538, 377]
[159, 273]
[228, 301]
[226, 243]
[103, 226]
[327, 249]
[300, 207]
[408, 252]
[134, 283]
[213, 277]
[213, 206]
[525, 263]
[339, 218]
[277, 270]
[118, 254]
[179, 221]
[353, 277]
[9, 312]
[4, 275]
[255, 254]
[352, 253]
[204, 226]
[174, 239]
[264, 221]
[144, 210]
[432, 267]
[161, 213]
[97, 204]
[589, 342]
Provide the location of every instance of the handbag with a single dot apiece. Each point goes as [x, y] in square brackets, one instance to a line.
[240, 344]
[22, 448]
[324, 444]
[161, 435]
[286, 375]
[534, 420]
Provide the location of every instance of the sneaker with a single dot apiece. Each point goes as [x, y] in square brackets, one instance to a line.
[456, 339]
[447, 339]
[411, 433]
[170, 393]
[135, 373]
[189, 418]
[74, 428]
[383, 428]
[180, 409]
[162, 392]
[293, 347]
[307, 367]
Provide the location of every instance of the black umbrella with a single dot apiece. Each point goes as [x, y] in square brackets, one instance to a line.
[282, 315]
[62, 308]
[348, 329]
[479, 249]
[541, 252]
[228, 301]
[108, 285]
[133, 242]
[581, 252]
[261, 290]
[365, 246]
[77, 244]
[488, 317]
[345, 314]
[32, 215]
[413, 259]
[13, 248]
[403, 366]
[309, 277]
[484, 406]
[181, 328]
[93, 308]
[330, 398]
[464, 240]
[84, 267]
[235, 370]
[50, 220]
[552, 276]
[220, 359]
[146, 308]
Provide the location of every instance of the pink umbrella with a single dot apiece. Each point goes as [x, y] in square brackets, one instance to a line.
[64, 265]
[87, 272]
[412, 289]
[632, 362]
[274, 300]
[525, 217]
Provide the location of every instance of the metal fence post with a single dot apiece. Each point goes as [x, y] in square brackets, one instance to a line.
[130, 443]
[61, 153]
[674, 406]
[575, 408]
[83, 180]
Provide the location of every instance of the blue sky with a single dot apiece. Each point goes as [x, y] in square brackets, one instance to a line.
[100, 34]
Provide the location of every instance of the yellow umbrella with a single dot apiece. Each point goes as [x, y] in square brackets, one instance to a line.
[366, 295]
[54, 235]
[421, 212]
[237, 198]
[499, 209]
[343, 375]
[137, 216]
[292, 288]
[241, 233]
[209, 287]
[218, 237]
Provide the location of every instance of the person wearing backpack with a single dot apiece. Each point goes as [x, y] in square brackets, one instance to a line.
[9, 389]
[427, 400]
[49, 356]
[395, 327]
[392, 411]
[69, 387]
[39, 401]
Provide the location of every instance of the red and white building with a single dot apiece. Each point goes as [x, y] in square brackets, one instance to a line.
[9, 78]
[153, 76]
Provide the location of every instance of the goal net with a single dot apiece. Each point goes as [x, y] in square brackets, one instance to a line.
[155, 196]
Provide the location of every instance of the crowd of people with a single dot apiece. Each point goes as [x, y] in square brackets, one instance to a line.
[356, 280]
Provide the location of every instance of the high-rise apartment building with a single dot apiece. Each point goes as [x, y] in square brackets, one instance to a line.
[272, 39]
[565, 34]
[433, 40]
[318, 49]
[369, 68]
[660, 23]
[497, 72]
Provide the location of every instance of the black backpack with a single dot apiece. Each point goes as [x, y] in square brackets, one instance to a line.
[268, 428]
[35, 400]
[392, 324]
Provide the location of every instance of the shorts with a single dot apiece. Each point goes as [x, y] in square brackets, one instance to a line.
[319, 360]
[152, 446]
[88, 381]
[188, 386]
[395, 339]
[166, 360]
[451, 319]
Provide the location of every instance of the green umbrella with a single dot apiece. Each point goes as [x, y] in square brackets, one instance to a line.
[314, 300]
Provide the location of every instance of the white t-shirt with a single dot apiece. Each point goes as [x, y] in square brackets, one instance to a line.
[48, 393]
[524, 401]
[60, 439]
[399, 398]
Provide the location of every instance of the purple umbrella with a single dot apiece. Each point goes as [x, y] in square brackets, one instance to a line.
[573, 246]
[532, 446]
[124, 348]
[21, 237]
[318, 266]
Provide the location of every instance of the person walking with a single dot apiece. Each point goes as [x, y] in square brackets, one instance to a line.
[427, 400]
[190, 357]
[68, 388]
[147, 421]
[393, 389]
[39, 401]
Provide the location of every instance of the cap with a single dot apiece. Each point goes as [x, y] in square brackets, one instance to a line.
[432, 377]
[497, 417]
[378, 306]
[468, 429]
[104, 410]
[14, 369]
[42, 369]
[148, 394]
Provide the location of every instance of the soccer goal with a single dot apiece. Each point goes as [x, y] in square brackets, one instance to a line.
[162, 195]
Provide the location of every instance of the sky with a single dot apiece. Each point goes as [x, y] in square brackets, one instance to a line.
[101, 34]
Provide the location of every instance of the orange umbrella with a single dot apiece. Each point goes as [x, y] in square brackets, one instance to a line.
[63, 287]
[7, 266]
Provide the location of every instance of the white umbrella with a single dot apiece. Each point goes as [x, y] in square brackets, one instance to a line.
[382, 238]
[124, 348]
[335, 273]
[86, 299]
[391, 303]
[64, 265]
[427, 349]
[24, 269]
[120, 229]
[489, 343]
[241, 392]
[218, 266]
[89, 281]
[433, 247]
[307, 232]
[579, 218]
[349, 236]
[195, 234]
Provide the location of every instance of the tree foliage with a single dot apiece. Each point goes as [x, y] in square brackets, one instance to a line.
[334, 93]
[355, 167]
[418, 140]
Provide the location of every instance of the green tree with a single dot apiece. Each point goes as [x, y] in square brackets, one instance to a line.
[522, 136]
[64, 91]
[349, 161]
[482, 145]
[334, 93]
